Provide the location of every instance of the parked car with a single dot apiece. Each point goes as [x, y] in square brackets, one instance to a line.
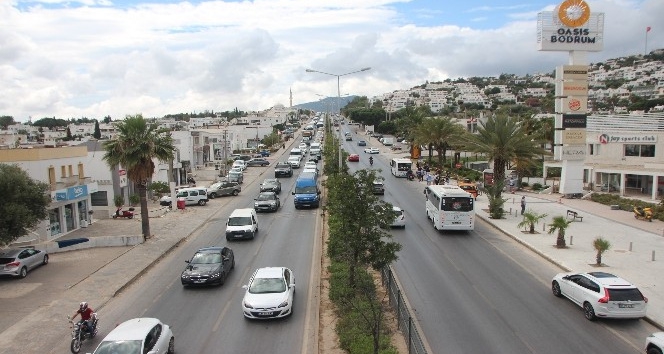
[371, 150]
[265, 153]
[191, 196]
[241, 164]
[353, 158]
[223, 188]
[258, 162]
[283, 169]
[271, 185]
[399, 219]
[361, 143]
[138, 335]
[267, 201]
[601, 294]
[235, 175]
[655, 343]
[269, 293]
[18, 261]
[210, 265]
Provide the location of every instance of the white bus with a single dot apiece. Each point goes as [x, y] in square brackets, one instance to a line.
[400, 166]
[450, 207]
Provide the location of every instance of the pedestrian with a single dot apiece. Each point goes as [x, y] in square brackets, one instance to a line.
[419, 174]
[283, 146]
[428, 178]
[523, 204]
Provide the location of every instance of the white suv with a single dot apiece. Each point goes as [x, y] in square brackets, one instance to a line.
[601, 295]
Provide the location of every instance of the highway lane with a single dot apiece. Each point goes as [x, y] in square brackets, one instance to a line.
[209, 320]
[482, 292]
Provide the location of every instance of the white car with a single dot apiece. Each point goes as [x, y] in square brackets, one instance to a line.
[269, 294]
[601, 294]
[303, 147]
[655, 343]
[371, 150]
[138, 335]
[241, 164]
[310, 164]
[400, 219]
[294, 161]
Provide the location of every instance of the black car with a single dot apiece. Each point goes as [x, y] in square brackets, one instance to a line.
[209, 265]
[378, 187]
[283, 169]
[258, 161]
[267, 201]
[271, 185]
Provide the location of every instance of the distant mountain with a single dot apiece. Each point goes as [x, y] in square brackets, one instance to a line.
[326, 104]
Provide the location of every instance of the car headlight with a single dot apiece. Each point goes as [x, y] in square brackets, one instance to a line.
[283, 304]
[247, 305]
[185, 276]
[256, 205]
[215, 275]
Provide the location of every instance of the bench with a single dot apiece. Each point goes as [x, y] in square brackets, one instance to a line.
[574, 215]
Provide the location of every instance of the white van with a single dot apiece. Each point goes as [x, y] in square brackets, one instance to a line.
[242, 224]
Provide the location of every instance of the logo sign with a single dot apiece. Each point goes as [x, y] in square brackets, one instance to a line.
[574, 121]
[572, 26]
[573, 152]
[609, 138]
[574, 136]
[575, 104]
[77, 192]
[572, 72]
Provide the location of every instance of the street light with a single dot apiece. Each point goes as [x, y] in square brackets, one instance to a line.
[338, 96]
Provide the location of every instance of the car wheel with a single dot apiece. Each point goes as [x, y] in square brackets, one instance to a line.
[23, 273]
[213, 195]
[45, 260]
[589, 312]
[235, 192]
[222, 279]
[233, 264]
[653, 350]
[228, 239]
[201, 202]
[555, 289]
[171, 346]
[115, 216]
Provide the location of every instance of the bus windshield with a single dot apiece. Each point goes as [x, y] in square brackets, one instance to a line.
[456, 204]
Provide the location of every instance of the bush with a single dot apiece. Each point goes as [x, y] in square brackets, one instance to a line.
[537, 186]
[524, 184]
[134, 199]
[159, 187]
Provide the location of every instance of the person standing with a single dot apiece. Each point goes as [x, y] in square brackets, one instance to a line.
[523, 204]
[428, 178]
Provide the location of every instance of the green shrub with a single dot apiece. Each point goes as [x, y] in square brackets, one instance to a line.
[159, 187]
[134, 199]
[524, 184]
[537, 186]
[118, 200]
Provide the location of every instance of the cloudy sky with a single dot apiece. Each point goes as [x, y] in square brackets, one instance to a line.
[93, 58]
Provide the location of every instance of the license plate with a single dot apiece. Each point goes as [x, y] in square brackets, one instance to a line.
[456, 222]
[266, 314]
[199, 281]
[626, 306]
[238, 235]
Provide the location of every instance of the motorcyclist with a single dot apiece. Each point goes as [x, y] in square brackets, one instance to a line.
[410, 175]
[370, 160]
[87, 318]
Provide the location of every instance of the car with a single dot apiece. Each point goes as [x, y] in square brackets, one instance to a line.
[311, 164]
[271, 185]
[267, 201]
[235, 175]
[191, 196]
[241, 164]
[265, 153]
[294, 161]
[655, 343]
[378, 187]
[601, 294]
[303, 147]
[361, 143]
[283, 169]
[371, 150]
[258, 162]
[349, 138]
[399, 219]
[269, 293]
[138, 335]
[223, 188]
[353, 158]
[17, 262]
[315, 158]
[210, 265]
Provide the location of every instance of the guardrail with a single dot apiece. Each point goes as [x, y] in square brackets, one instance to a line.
[405, 321]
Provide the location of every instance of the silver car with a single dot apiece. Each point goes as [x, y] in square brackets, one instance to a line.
[18, 261]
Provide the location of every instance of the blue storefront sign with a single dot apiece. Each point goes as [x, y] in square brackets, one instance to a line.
[71, 193]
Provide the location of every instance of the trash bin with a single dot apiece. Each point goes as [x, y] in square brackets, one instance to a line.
[181, 203]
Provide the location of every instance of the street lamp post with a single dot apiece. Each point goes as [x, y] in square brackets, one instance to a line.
[338, 97]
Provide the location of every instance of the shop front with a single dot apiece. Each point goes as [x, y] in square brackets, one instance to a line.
[69, 210]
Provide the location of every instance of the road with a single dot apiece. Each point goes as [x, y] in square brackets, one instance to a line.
[480, 291]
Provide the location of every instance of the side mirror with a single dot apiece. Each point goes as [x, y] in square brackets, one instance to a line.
[187, 261]
[318, 192]
[293, 193]
[245, 287]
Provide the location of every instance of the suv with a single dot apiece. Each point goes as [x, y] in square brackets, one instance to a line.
[601, 294]
[283, 169]
[223, 188]
[192, 196]
[378, 187]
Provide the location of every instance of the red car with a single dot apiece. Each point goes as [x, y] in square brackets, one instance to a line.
[353, 158]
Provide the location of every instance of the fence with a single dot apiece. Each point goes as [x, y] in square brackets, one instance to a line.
[406, 323]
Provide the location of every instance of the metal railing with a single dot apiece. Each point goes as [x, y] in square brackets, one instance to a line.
[405, 321]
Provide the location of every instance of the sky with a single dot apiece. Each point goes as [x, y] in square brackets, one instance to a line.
[98, 58]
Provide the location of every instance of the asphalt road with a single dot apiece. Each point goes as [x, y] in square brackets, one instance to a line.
[481, 291]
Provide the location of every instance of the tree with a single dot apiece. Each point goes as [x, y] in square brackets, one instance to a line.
[6, 121]
[530, 219]
[600, 245]
[136, 145]
[97, 133]
[24, 203]
[68, 136]
[502, 140]
[560, 224]
[440, 134]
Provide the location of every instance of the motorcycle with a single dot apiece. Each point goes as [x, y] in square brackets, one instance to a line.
[119, 213]
[410, 175]
[81, 333]
[371, 161]
[643, 213]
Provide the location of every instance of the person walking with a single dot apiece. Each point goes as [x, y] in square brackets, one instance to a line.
[428, 178]
[523, 204]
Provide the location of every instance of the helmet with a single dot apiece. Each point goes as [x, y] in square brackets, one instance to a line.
[83, 306]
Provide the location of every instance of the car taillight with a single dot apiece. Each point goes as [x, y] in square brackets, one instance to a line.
[605, 299]
[12, 264]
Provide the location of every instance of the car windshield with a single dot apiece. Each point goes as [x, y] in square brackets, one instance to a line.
[120, 346]
[215, 186]
[457, 204]
[267, 286]
[206, 258]
[239, 221]
[306, 190]
[264, 196]
[282, 165]
[625, 294]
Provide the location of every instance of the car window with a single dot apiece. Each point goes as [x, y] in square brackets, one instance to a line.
[264, 196]
[121, 346]
[589, 284]
[287, 276]
[206, 258]
[267, 285]
[632, 294]
[151, 338]
[24, 254]
[240, 221]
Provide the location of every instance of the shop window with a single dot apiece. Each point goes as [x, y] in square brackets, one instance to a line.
[99, 198]
[639, 150]
[631, 150]
[647, 150]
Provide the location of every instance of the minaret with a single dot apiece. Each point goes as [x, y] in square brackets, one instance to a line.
[291, 97]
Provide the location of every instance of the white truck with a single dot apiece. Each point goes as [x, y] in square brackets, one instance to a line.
[388, 141]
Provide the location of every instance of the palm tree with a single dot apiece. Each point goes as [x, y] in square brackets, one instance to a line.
[439, 134]
[600, 245]
[530, 219]
[560, 224]
[503, 140]
[139, 142]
